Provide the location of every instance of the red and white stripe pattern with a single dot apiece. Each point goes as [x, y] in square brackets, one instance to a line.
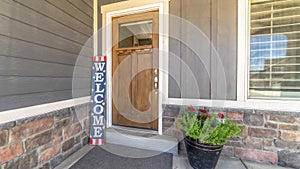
[99, 58]
[96, 141]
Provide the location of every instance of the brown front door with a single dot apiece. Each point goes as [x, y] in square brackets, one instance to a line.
[135, 70]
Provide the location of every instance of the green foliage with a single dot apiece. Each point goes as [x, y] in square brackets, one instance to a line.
[187, 120]
[194, 131]
[209, 129]
[221, 133]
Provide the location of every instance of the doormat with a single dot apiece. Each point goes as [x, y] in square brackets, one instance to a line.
[100, 158]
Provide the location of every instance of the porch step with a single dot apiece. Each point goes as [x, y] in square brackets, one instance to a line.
[143, 141]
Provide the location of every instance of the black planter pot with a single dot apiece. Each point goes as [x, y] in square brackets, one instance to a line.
[202, 156]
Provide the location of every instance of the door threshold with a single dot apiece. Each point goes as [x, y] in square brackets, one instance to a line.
[133, 130]
[139, 139]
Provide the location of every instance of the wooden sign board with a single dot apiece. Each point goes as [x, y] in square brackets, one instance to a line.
[98, 100]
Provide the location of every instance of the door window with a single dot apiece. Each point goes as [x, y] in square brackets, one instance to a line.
[135, 34]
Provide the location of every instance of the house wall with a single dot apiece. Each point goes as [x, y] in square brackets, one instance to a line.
[40, 43]
[43, 141]
[195, 52]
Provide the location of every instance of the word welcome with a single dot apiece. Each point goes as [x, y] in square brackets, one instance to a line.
[98, 100]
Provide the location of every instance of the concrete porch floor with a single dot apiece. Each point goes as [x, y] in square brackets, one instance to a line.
[179, 162]
[116, 139]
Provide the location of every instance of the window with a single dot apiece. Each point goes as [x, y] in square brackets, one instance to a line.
[135, 34]
[274, 57]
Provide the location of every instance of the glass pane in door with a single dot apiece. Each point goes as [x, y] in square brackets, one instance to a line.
[135, 34]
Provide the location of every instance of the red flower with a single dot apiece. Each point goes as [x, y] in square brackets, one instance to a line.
[221, 116]
[198, 117]
[191, 109]
[203, 111]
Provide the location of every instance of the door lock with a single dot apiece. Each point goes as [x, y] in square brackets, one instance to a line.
[155, 82]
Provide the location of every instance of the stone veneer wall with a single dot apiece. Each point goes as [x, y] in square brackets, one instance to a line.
[43, 141]
[269, 136]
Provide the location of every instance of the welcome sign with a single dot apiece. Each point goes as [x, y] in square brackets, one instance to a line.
[98, 100]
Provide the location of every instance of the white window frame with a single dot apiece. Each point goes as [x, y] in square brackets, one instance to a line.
[243, 71]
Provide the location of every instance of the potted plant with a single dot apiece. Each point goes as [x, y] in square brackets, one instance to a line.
[205, 135]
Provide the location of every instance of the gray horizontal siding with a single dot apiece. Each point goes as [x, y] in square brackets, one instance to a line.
[19, 101]
[47, 9]
[89, 3]
[82, 6]
[17, 30]
[45, 51]
[202, 63]
[24, 67]
[26, 15]
[41, 84]
[32, 85]
[77, 9]
[23, 49]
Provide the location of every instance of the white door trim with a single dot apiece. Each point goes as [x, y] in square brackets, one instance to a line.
[131, 7]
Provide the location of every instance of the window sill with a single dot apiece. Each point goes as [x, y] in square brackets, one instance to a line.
[271, 105]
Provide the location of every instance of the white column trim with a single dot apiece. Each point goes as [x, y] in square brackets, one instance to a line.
[242, 55]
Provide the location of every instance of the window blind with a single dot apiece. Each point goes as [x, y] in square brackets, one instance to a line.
[274, 69]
